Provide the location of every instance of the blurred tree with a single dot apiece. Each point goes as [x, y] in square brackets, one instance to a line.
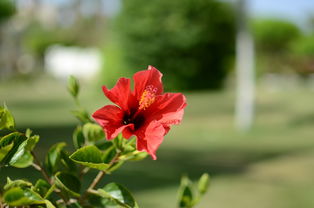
[274, 35]
[7, 9]
[303, 54]
[311, 23]
[273, 40]
[84, 30]
[190, 41]
[304, 46]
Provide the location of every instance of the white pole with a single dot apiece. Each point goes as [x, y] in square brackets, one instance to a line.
[244, 71]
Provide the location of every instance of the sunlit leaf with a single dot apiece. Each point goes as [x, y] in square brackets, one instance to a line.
[89, 156]
[28, 133]
[203, 183]
[5, 150]
[73, 86]
[49, 204]
[16, 183]
[16, 151]
[31, 142]
[185, 193]
[23, 161]
[20, 152]
[6, 119]
[18, 196]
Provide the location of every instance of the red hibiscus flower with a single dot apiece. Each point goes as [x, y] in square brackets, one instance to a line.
[146, 112]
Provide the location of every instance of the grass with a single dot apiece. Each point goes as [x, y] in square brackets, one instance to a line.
[269, 166]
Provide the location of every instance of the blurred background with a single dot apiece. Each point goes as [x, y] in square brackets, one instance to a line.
[246, 67]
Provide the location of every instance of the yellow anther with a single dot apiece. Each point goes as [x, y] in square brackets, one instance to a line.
[148, 97]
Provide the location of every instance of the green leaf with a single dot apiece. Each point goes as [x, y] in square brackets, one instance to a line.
[18, 196]
[41, 187]
[5, 150]
[89, 156]
[69, 183]
[21, 156]
[93, 132]
[67, 163]
[6, 119]
[103, 144]
[118, 194]
[74, 205]
[134, 156]
[17, 139]
[203, 183]
[16, 183]
[53, 158]
[82, 115]
[23, 161]
[31, 142]
[109, 152]
[28, 133]
[185, 193]
[130, 146]
[15, 149]
[119, 142]
[49, 204]
[78, 138]
[73, 86]
[97, 201]
[115, 166]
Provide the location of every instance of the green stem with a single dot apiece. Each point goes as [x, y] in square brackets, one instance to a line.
[77, 102]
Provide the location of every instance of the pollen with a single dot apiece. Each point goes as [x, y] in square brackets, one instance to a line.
[148, 97]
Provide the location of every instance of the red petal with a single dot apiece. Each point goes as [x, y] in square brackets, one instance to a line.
[128, 132]
[144, 78]
[168, 109]
[110, 117]
[150, 137]
[120, 94]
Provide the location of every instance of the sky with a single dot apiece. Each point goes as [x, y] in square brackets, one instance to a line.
[295, 10]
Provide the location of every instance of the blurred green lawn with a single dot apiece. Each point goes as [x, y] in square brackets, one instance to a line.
[270, 166]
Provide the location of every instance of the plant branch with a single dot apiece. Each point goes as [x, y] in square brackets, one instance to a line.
[98, 178]
[101, 174]
[38, 167]
[83, 172]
